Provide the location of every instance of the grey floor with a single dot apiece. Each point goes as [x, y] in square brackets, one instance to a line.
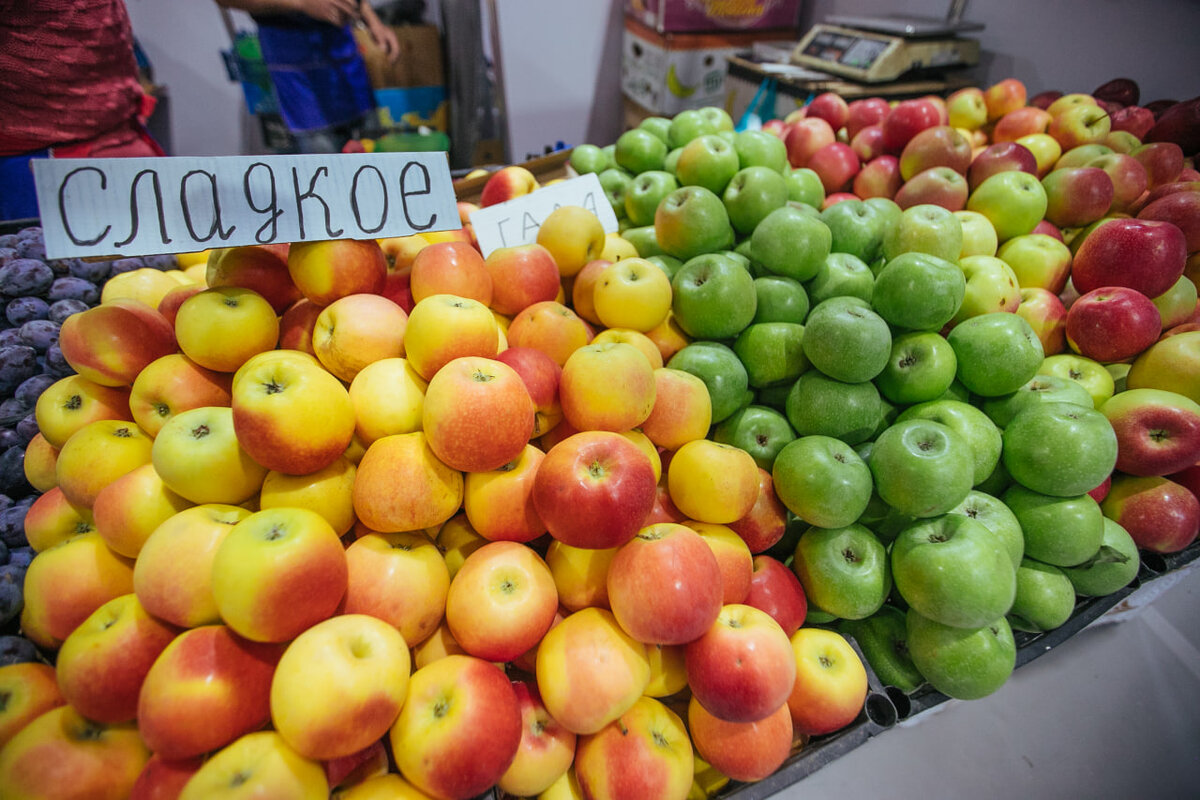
[1114, 712]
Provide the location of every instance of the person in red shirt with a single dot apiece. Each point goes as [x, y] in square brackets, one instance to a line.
[68, 88]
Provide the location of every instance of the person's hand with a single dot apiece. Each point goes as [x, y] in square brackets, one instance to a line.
[384, 37]
[335, 12]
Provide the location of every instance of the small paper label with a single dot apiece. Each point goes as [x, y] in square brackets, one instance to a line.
[145, 206]
[517, 221]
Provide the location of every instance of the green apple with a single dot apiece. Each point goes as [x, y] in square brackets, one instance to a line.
[761, 149]
[847, 340]
[924, 228]
[672, 159]
[713, 297]
[1113, 567]
[668, 264]
[690, 221]
[1091, 375]
[1038, 260]
[644, 193]
[1060, 449]
[857, 228]
[688, 125]
[709, 161]
[919, 292]
[1063, 531]
[1038, 389]
[997, 482]
[752, 194]
[791, 243]
[638, 150]
[740, 257]
[997, 518]
[805, 187]
[953, 570]
[843, 570]
[975, 428]
[759, 430]
[1013, 201]
[722, 372]
[772, 352]
[991, 286]
[963, 663]
[615, 181]
[921, 367]
[997, 353]
[780, 299]
[822, 480]
[979, 237]
[588, 158]
[883, 639]
[818, 404]
[1045, 598]
[921, 467]
[842, 275]
[643, 240]
[659, 126]
[718, 118]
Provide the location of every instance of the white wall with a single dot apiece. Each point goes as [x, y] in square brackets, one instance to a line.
[1070, 45]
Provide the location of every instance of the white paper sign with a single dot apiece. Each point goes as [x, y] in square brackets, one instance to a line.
[517, 221]
[144, 206]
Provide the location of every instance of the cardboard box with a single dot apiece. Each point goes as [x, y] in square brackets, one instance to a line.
[667, 73]
[411, 90]
[665, 16]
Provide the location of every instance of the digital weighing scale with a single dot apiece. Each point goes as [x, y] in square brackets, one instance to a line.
[880, 49]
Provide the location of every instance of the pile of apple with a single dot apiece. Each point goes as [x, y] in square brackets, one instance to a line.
[295, 512]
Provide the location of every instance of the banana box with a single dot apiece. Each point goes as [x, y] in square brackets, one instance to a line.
[666, 73]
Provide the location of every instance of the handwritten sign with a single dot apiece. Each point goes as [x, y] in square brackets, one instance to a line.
[144, 206]
[517, 221]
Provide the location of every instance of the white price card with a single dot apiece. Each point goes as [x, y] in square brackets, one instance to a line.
[517, 221]
[144, 206]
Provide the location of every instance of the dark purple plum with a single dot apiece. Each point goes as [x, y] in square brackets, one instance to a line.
[17, 650]
[39, 334]
[4, 554]
[7, 254]
[12, 472]
[13, 411]
[126, 265]
[23, 309]
[17, 362]
[95, 271]
[20, 556]
[72, 288]
[61, 309]
[25, 277]
[32, 387]
[167, 261]
[10, 337]
[32, 248]
[55, 364]
[26, 429]
[12, 599]
[9, 438]
[12, 523]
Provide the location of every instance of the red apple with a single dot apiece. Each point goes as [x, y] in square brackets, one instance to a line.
[1112, 323]
[594, 489]
[664, 585]
[863, 112]
[939, 186]
[1145, 255]
[776, 590]
[1128, 178]
[906, 119]
[867, 144]
[879, 177]
[743, 751]
[1020, 122]
[1077, 196]
[805, 137]
[262, 268]
[1004, 96]
[1163, 162]
[1047, 315]
[742, 669]
[1134, 119]
[830, 107]
[1181, 209]
[1158, 431]
[766, 521]
[1000, 157]
[1162, 516]
[939, 146]
[835, 164]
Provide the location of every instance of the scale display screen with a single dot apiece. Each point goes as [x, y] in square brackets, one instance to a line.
[859, 52]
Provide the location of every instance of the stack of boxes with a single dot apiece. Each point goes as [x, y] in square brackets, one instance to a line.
[674, 51]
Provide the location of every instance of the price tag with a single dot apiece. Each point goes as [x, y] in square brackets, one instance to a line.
[517, 221]
[144, 206]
